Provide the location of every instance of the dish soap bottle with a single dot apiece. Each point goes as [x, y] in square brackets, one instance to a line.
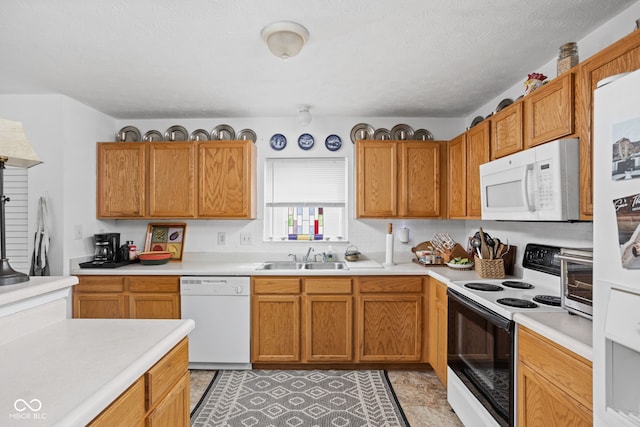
[330, 255]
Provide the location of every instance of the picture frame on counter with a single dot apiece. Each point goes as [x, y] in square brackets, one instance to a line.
[167, 236]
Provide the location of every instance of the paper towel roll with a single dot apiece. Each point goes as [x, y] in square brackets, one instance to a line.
[388, 258]
[404, 235]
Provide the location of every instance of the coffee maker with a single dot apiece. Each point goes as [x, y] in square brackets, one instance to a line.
[107, 247]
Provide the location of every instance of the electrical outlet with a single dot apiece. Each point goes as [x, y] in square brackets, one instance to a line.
[245, 238]
[222, 238]
[77, 231]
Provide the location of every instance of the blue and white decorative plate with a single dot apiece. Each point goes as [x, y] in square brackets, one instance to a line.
[305, 141]
[278, 141]
[333, 143]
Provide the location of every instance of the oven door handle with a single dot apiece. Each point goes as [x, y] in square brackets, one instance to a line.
[485, 313]
[576, 258]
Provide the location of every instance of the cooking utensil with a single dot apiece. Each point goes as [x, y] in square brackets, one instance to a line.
[496, 247]
[476, 243]
[351, 253]
[484, 249]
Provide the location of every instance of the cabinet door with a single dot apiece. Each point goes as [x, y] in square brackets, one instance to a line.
[328, 332]
[173, 410]
[376, 179]
[549, 111]
[622, 56]
[127, 410]
[275, 330]
[506, 131]
[99, 306]
[227, 179]
[121, 180]
[478, 152]
[390, 328]
[172, 183]
[420, 179]
[154, 306]
[438, 328]
[541, 403]
[457, 194]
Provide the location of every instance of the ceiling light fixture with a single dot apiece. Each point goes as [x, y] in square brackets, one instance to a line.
[285, 38]
[304, 116]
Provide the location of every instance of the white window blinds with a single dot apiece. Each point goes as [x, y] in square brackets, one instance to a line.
[306, 182]
[16, 217]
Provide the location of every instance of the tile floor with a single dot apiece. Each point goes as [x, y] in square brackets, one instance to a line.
[421, 395]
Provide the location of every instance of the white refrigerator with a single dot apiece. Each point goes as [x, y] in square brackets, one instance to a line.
[616, 252]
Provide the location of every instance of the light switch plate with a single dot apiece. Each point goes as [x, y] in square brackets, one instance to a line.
[222, 238]
[245, 239]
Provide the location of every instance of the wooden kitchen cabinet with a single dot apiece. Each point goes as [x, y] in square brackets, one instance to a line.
[620, 57]
[457, 194]
[506, 131]
[549, 111]
[227, 179]
[328, 320]
[172, 183]
[478, 152]
[121, 180]
[399, 179]
[554, 384]
[158, 398]
[275, 319]
[438, 328]
[127, 297]
[389, 318]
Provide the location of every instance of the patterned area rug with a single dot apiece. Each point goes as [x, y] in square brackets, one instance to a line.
[299, 398]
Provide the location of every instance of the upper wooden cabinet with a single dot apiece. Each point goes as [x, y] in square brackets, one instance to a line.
[399, 179]
[121, 180]
[159, 180]
[548, 111]
[466, 153]
[227, 179]
[506, 131]
[622, 56]
[172, 183]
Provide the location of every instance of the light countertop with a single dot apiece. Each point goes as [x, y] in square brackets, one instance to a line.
[76, 367]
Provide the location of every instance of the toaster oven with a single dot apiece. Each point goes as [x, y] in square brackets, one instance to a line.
[576, 273]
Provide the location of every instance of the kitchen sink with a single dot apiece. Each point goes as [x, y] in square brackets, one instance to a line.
[290, 265]
[331, 265]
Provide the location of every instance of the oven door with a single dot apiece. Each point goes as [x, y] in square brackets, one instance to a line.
[480, 352]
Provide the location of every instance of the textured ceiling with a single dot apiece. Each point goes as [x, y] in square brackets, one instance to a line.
[205, 58]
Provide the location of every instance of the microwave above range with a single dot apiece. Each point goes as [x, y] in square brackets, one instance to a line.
[538, 184]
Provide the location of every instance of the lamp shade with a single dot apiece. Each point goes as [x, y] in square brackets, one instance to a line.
[15, 147]
[285, 39]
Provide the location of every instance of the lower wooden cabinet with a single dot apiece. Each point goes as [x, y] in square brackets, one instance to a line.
[438, 328]
[159, 398]
[127, 297]
[554, 384]
[345, 320]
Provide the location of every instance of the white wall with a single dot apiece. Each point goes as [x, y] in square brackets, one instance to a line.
[63, 133]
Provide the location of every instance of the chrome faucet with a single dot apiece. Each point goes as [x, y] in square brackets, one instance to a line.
[306, 257]
[323, 255]
[294, 257]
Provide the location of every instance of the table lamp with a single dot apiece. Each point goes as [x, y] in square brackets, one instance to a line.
[15, 150]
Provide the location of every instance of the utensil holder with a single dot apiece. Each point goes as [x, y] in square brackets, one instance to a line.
[489, 268]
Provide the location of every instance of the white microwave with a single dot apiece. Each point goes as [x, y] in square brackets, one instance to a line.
[538, 184]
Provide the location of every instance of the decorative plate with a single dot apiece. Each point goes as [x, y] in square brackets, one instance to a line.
[333, 143]
[128, 134]
[382, 134]
[278, 141]
[361, 131]
[199, 135]
[245, 134]
[152, 136]
[223, 133]
[476, 120]
[305, 141]
[422, 135]
[460, 266]
[504, 103]
[401, 132]
[176, 133]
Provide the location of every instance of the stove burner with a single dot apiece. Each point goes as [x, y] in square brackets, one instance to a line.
[548, 300]
[517, 302]
[478, 286]
[517, 284]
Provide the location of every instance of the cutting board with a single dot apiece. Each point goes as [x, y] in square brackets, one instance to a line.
[368, 263]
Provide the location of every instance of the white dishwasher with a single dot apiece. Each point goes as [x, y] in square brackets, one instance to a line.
[220, 307]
